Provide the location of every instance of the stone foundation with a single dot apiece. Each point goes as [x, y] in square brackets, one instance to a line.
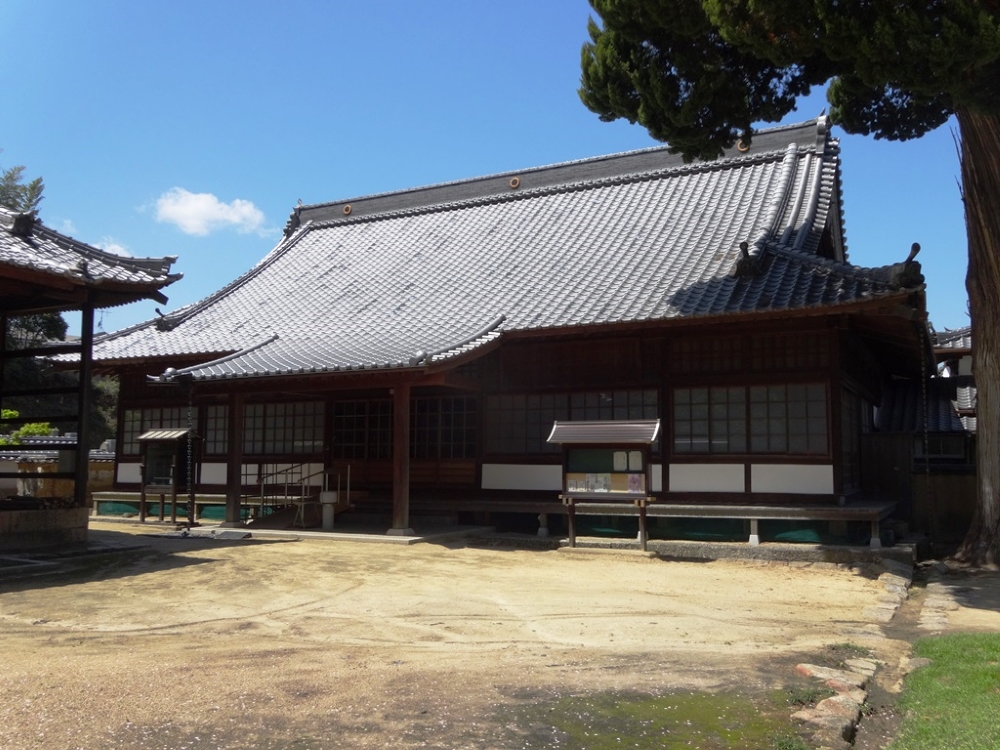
[37, 529]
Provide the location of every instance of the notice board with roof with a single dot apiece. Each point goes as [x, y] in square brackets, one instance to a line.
[608, 459]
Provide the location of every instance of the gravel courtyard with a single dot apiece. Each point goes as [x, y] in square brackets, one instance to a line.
[193, 643]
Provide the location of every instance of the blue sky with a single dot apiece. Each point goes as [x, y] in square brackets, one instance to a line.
[192, 128]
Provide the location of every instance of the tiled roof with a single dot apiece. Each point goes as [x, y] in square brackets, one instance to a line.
[959, 338]
[409, 279]
[604, 432]
[950, 401]
[34, 256]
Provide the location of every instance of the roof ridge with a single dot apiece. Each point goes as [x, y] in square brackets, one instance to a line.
[37, 226]
[145, 264]
[560, 188]
[818, 123]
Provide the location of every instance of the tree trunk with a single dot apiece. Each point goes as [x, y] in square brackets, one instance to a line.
[980, 148]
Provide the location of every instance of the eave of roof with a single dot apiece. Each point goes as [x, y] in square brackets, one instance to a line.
[606, 432]
[953, 341]
[41, 269]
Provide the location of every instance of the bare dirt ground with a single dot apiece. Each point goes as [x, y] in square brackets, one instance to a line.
[316, 644]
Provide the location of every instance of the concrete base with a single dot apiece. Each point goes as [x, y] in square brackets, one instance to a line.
[400, 532]
[801, 552]
[41, 528]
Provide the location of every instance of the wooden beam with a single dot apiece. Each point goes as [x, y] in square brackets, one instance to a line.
[83, 405]
[234, 462]
[401, 461]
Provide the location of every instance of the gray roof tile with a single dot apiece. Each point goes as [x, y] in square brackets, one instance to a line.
[28, 245]
[636, 431]
[628, 238]
[958, 338]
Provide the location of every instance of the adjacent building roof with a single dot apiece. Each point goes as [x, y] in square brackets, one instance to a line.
[953, 341]
[28, 449]
[422, 277]
[43, 270]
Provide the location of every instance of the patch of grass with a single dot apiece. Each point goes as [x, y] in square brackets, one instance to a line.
[790, 742]
[851, 651]
[808, 695]
[954, 702]
[708, 721]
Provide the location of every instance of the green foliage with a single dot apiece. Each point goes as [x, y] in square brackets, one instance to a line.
[954, 703]
[699, 73]
[27, 331]
[809, 695]
[791, 742]
[710, 721]
[104, 417]
[18, 195]
[31, 429]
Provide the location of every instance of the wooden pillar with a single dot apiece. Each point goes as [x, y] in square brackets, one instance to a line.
[401, 461]
[190, 465]
[82, 469]
[234, 462]
[643, 530]
[142, 486]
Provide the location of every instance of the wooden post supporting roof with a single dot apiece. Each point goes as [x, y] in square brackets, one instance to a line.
[82, 467]
[401, 461]
[234, 463]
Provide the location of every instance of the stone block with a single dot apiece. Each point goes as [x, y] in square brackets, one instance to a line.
[839, 705]
[891, 579]
[897, 568]
[880, 613]
[852, 679]
[862, 666]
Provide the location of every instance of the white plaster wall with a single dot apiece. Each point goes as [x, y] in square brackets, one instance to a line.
[8, 486]
[805, 479]
[213, 473]
[522, 477]
[129, 473]
[707, 478]
[656, 477]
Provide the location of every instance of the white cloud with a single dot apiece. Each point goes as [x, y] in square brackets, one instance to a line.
[201, 213]
[67, 227]
[110, 245]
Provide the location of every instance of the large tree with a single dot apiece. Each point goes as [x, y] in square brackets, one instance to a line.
[698, 73]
